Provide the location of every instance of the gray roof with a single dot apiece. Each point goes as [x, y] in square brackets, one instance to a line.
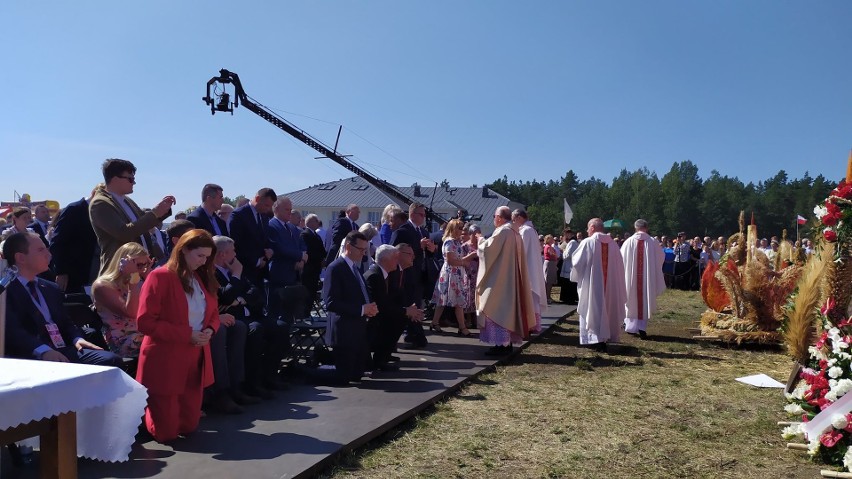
[356, 190]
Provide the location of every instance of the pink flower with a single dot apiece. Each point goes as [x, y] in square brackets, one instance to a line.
[828, 306]
[830, 438]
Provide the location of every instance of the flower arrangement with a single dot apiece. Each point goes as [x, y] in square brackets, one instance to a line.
[827, 378]
[827, 365]
[835, 215]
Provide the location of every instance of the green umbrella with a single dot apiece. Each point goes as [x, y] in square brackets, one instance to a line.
[614, 223]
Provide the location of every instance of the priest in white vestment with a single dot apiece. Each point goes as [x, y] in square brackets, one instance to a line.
[643, 277]
[598, 270]
[532, 253]
[503, 299]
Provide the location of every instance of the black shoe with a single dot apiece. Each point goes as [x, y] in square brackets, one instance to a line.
[386, 367]
[393, 359]
[599, 347]
[274, 384]
[499, 350]
[259, 391]
[643, 334]
[244, 399]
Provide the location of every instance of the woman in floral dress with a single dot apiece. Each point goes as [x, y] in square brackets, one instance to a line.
[116, 298]
[453, 287]
[470, 239]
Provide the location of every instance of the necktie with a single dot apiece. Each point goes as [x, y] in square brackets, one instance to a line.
[31, 286]
[361, 282]
[215, 225]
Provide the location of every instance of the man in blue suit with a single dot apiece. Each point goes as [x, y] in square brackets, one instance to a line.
[38, 326]
[341, 227]
[347, 298]
[204, 217]
[76, 256]
[287, 296]
[248, 230]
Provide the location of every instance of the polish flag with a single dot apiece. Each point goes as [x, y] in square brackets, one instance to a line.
[801, 220]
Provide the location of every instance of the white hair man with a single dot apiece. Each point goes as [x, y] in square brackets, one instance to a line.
[503, 298]
[598, 270]
[643, 277]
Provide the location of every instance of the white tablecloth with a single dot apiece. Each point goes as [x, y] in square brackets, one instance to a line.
[109, 403]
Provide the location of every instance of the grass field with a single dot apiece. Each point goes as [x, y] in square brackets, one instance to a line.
[658, 408]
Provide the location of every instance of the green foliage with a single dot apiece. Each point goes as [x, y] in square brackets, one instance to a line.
[679, 201]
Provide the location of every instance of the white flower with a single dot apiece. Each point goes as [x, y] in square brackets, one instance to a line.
[793, 431]
[816, 353]
[841, 345]
[794, 409]
[832, 383]
[813, 447]
[847, 459]
[832, 362]
[839, 421]
[835, 372]
[820, 211]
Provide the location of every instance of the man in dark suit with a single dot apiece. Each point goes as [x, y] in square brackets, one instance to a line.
[38, 326]
[287, 296]
[347, 298]
[316, 259]
[385, 287]
[248, 229]
[75, 247]
[341, 227]
[409, 229]
[266, 340]
[41, 222]
[205, 217]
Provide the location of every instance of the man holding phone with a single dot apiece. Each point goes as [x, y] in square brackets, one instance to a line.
[117, 219]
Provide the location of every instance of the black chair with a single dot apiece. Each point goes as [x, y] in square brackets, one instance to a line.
[308, 343]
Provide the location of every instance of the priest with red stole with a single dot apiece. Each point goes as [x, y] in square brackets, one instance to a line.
[598, 270]
[643, 277]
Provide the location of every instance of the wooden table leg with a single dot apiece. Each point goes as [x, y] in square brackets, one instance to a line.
[59, 448]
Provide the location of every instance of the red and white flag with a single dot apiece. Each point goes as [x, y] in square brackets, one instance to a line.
[801, 220]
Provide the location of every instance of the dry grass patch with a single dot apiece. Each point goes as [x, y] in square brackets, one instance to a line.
[664, 407]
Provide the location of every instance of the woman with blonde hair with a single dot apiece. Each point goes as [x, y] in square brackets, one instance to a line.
[178, 314]
[385, 229]
[116, 298]
[453, 287]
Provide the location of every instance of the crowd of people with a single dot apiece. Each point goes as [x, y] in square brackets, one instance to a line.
[202, 312]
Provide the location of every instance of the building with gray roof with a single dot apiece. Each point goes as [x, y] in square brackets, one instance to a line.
[326, 200]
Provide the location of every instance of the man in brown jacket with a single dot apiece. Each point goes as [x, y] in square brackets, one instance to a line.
[117, 219]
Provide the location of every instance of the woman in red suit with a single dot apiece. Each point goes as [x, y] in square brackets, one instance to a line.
[178, 314]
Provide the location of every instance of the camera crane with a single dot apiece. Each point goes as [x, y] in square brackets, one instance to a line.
[221, 102]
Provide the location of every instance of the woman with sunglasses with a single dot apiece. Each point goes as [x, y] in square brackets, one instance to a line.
[116, 298]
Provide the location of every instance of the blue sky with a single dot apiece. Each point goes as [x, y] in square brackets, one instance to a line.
[467, 91]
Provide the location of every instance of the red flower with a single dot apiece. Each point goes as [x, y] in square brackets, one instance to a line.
[843, 190]
[823, 364]
[829, 235]
[830, 438]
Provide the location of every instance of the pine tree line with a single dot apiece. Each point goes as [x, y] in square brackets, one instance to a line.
[679, 201]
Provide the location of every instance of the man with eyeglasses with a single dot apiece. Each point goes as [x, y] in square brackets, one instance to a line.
[117, 219]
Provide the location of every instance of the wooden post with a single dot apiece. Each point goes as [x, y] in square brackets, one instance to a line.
[830, 473]
[59, 447]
